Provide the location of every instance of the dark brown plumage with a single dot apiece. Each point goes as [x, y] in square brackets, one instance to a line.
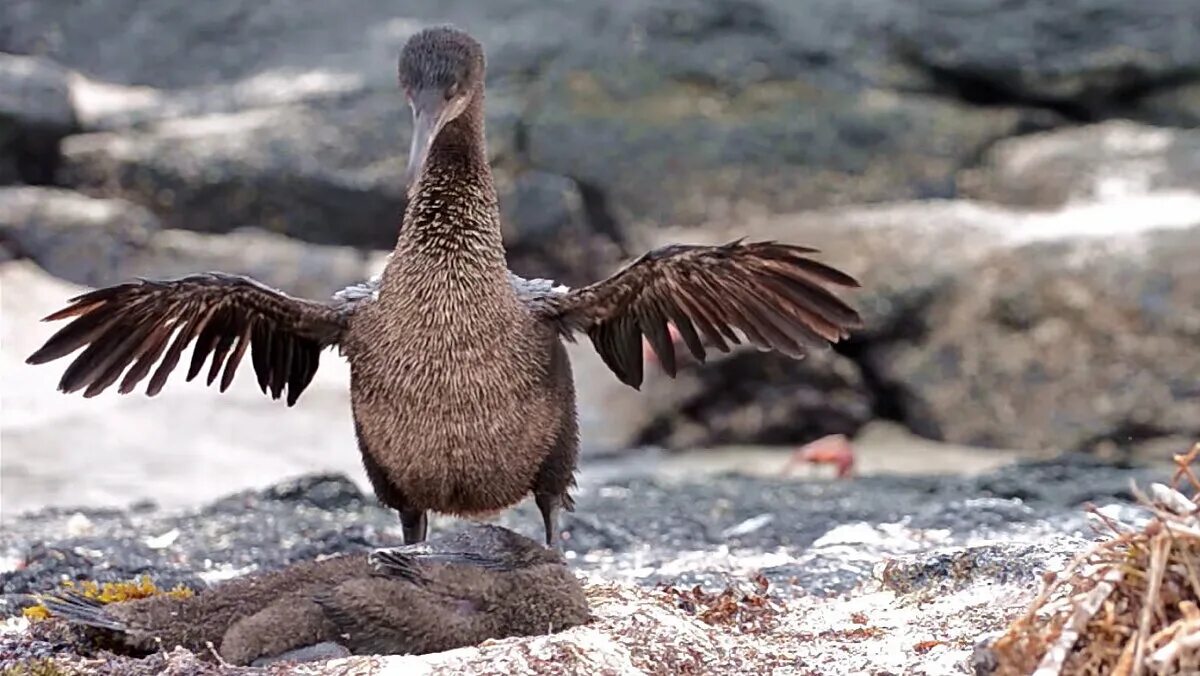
[486, 582]
[462, 392]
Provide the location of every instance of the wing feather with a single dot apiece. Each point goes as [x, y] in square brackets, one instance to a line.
[146, 325]
[775, 296]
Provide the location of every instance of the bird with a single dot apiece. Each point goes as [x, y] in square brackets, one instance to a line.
[484, 582]
[461, 388]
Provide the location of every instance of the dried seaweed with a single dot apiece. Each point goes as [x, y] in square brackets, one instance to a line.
[1129, 605]
[750, 611]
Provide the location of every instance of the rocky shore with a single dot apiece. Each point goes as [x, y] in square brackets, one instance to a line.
[876, 574]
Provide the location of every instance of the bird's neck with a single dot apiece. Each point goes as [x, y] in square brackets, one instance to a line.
[453, 211]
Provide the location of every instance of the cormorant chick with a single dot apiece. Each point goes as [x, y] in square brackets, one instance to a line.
[487, 582]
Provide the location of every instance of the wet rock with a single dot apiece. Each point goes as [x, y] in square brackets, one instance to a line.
[1064, 344]
[323, 491]
[618, 529]
[35, 113]
[1084, 164]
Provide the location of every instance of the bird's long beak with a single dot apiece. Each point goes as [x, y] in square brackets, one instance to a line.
[430, 110]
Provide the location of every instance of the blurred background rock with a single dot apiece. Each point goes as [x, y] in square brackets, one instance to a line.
[1017, 184]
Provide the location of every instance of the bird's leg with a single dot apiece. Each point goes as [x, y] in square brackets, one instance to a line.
[548, 506]
[415, 524]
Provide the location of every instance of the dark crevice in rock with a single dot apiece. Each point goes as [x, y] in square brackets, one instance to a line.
[750, 397]
[981, 89]
[521, 140]
[989, 89]
[1124, 438]
[891, 399]
[894, 400]
[11, 249]
[38, 157]
[600, 218]
[1130, 94]
[297, 206]
[1036, 121]
[35, 153]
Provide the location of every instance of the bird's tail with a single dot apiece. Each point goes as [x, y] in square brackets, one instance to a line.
[79, 609]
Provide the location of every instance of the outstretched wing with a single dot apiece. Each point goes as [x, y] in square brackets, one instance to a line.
[773, 294]
[128, 327]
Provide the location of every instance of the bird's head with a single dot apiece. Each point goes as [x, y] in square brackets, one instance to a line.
[441, 73]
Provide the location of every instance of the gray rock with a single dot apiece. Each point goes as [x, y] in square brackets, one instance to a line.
[682, 112]
[85, 240]
[1090, 59]
[98, 242]
[35, 112]
[1084, 164]
[1063, 345]
[635, 529]
[987, 326]
[35, 92]
[328, 172]
[321, 174]
[660, 157]
[189, 46]
[551, 231]
[308, 270]
[628, 101]
[667, 110]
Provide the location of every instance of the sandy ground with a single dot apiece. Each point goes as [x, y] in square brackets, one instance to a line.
[190, 445]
